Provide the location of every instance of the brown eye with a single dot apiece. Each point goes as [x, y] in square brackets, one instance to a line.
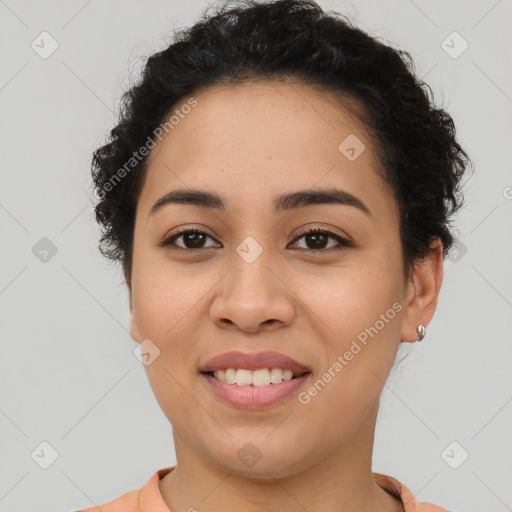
[192, 239]
[317, 239]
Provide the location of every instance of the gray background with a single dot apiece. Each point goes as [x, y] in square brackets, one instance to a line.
[68, 375]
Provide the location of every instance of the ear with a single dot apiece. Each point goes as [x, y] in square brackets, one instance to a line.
[134, 328]
[422, 291]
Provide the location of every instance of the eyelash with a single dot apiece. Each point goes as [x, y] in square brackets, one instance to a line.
[343, 243]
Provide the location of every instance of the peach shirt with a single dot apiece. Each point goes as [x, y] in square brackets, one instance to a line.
[149, 498]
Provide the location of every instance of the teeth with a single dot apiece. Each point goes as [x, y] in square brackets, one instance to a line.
[261, 377]
[243, 377]
[230, 376]
[277, 375]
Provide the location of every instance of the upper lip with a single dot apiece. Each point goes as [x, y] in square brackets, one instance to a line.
[253, 361]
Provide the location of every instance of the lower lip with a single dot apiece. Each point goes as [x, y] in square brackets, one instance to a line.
[254, 397]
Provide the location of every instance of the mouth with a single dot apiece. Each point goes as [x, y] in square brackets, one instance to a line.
[253, 389]
[253, 380]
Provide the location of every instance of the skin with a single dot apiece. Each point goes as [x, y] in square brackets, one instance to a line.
[250, 143]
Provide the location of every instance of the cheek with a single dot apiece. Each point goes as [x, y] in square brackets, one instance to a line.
[164, 298]
[361, 324]
[166, 305]
[346, 301]
[167, 308]
[360, 311]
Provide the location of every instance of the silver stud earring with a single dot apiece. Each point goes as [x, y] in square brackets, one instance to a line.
[421, 332]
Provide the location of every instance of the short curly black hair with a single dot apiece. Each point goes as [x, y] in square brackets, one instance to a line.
[419, 156]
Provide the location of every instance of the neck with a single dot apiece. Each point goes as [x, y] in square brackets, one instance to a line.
[341, 480]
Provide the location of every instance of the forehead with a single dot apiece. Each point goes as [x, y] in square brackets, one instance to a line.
[259, 139]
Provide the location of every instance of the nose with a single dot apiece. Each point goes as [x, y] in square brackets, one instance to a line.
[253, 297]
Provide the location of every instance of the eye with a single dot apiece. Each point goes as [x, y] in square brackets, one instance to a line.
[319, 237]
[192, 239]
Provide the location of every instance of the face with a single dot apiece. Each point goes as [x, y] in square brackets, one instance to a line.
[247, 277]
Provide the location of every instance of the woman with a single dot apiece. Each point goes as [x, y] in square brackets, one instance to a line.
[278, 192]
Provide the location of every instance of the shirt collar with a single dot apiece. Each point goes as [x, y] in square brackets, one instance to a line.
[151, 500]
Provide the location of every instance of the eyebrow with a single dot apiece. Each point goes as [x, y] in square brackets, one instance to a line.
[285, 202]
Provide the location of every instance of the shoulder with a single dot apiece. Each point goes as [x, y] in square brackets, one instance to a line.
[128, 502]
[401, 492]
[147, 497]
